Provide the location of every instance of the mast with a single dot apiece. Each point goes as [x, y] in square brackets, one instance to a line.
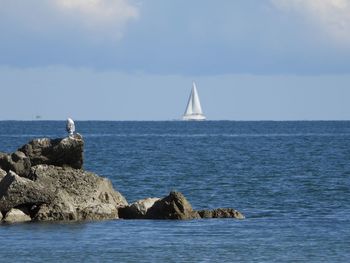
[189, 108]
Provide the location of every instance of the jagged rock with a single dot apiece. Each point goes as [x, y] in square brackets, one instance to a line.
[0, 216]
[18, 191]
[17, 162]
[58, 152]
[61, 193]
[221, 213]
[50, 185]
[16, 215]
[79, 195]
[173, 206]
[138, 209]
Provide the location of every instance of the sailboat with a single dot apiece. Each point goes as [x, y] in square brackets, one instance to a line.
[193, 110]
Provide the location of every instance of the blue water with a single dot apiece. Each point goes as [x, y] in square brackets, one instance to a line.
[290, 179]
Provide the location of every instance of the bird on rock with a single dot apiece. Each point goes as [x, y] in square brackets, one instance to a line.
[70, 127]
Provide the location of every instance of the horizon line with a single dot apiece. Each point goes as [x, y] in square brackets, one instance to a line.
[179, 120]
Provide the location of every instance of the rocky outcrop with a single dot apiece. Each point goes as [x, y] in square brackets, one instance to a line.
[44, 181]
[221, 213]
[59, 152]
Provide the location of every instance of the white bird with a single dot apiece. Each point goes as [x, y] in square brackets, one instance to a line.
[70, 127]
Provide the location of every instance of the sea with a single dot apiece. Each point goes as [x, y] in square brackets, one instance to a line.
[291, 180]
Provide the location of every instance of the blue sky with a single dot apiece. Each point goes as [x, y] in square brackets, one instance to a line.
[136, 59]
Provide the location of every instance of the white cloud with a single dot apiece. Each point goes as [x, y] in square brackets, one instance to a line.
[100, 18]
[331, 16]
[97, 13]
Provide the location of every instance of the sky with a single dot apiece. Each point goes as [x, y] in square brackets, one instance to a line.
[136, 59]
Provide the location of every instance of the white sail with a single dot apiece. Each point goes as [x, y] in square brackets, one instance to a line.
[194, 109]
[196, 104]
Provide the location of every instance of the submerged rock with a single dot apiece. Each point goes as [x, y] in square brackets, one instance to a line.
[173, 206]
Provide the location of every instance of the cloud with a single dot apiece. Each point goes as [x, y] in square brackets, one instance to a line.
[330, 16]
[163, 37]
[98, 13]
[97, 17]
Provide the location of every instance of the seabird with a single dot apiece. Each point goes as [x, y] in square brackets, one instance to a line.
[70, 127]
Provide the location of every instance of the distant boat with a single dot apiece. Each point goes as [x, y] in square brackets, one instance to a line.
[193, 110]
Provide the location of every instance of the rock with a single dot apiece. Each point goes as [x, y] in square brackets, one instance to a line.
[20, 163]
[79, 195]
[44, 178]
[138, 209]
[173, 206]
[18, 191]
[0, 216]
[17, 162]
[58, 152]
[61, 193]
[16, 215]
[221, 213]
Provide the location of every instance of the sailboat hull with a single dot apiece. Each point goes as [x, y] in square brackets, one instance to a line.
[194, 117]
